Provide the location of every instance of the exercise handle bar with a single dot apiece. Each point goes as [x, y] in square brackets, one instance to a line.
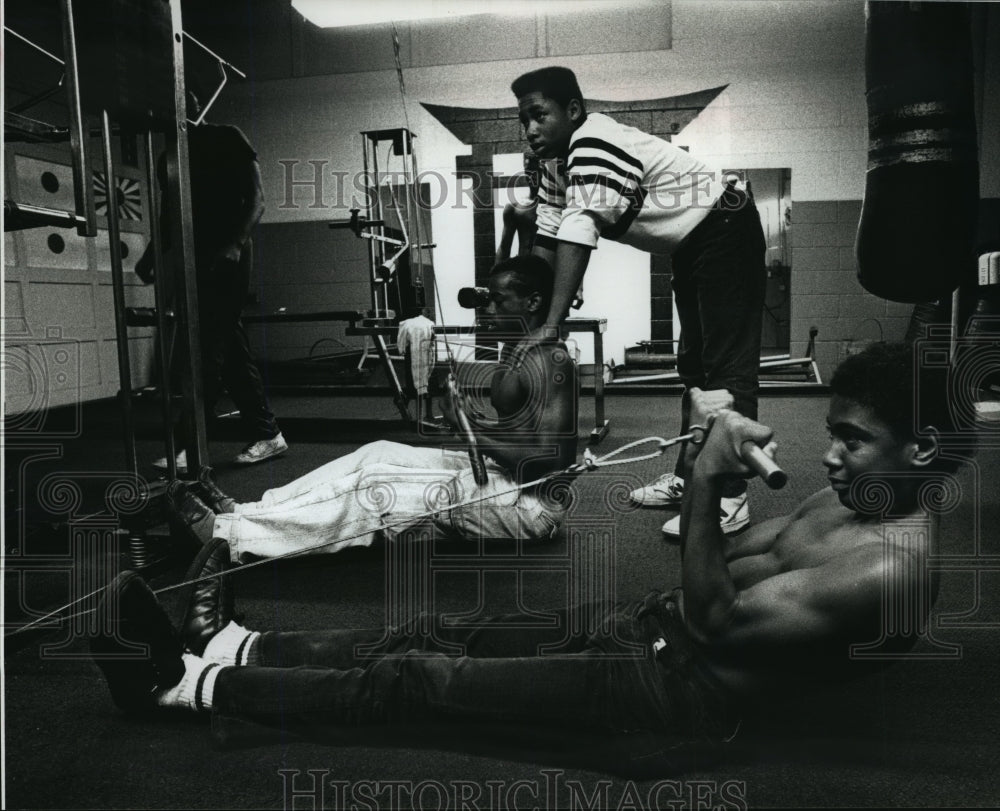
[763, 465]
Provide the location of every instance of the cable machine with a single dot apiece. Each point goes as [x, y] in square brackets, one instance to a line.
[390, 249]
[124, 67]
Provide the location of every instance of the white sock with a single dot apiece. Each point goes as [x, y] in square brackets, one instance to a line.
[195, 689]
[231, 646]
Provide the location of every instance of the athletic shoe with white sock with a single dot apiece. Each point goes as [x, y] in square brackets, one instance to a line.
[135, 646]
[734, 515]
[195, 689]
[208, 596]
[261, 449]
[666, 491]
[231, 646]
[181, 460]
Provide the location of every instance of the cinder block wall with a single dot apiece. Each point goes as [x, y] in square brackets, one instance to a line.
[306, 267]
[826, 293]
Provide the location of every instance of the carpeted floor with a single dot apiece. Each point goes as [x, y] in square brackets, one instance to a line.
[923, 732]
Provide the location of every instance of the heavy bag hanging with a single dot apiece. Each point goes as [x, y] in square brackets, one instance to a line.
[915, 241]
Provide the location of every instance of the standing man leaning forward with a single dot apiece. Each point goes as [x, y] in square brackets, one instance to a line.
[604, 179]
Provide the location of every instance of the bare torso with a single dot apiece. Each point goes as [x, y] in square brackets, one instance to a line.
[821, 533]
[534, 393]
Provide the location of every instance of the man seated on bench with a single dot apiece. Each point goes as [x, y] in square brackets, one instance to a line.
[387, 486]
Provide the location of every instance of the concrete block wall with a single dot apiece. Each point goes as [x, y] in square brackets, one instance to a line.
[826, 293]
[306, 267]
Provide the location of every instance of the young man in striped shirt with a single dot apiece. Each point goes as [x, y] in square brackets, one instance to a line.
[600, 178]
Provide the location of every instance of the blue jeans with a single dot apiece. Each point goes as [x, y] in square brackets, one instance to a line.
[509, 669]
[719, 283]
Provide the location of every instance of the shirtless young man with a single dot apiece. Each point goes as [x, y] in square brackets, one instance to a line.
[388, 486]
[779, 606]
[785, 600]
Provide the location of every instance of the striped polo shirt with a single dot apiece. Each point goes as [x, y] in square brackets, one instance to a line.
[623, 184]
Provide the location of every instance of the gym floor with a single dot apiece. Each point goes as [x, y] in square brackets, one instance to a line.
[922, 732]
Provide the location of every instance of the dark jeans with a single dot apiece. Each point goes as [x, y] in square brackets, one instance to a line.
[507, 669]
[225, 351]
[719, 283]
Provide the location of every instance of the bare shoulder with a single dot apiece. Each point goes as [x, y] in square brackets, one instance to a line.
[821, 499]
[775, 535]
[870, 557]
[550, 354]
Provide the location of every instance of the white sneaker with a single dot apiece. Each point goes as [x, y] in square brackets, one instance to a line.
[666, 491]
[181, 461]
[735, 514]
[987, 411]
[260, 450]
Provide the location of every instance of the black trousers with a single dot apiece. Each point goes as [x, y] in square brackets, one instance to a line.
[594, 667]
[719, 283]
[226, 360]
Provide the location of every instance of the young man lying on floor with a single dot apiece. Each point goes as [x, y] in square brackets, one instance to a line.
[775, 610]
[387, 486]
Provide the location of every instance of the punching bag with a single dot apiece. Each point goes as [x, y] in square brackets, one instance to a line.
[916, 238]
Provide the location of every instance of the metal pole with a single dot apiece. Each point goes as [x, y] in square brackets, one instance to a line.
[118, 289]
[372, 256]
[83, 188]
[381, 311]
[182, 250]
[408, 221]
[164, 321]
[413, 212]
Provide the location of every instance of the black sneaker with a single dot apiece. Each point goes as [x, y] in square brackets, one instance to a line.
[136, 647]
[208, 599]
[189, 517]
[211, 494]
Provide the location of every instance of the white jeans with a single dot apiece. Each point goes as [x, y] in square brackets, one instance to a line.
[384, 486]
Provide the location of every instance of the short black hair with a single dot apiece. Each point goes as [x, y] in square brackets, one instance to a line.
[905, 396]
[528, 274]
[556, 83]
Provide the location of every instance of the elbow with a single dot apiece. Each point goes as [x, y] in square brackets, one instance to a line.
[702, 632]
[712, 625]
